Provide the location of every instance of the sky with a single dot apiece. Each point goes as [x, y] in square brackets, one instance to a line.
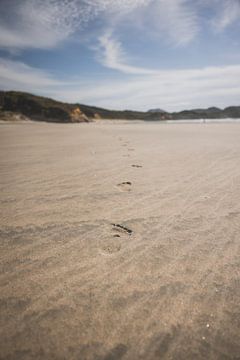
[123, 54]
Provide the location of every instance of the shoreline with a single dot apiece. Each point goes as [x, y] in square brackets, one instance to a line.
[120, 121]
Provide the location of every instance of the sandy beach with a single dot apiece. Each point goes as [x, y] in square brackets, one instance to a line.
[120, 241]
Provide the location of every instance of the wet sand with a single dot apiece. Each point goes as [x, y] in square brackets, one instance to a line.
[120, 241]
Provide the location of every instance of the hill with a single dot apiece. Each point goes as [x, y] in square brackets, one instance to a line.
[157, 111]
[45, 109]
[17, 105]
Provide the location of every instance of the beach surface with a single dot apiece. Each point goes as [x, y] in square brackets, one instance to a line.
[120, 241]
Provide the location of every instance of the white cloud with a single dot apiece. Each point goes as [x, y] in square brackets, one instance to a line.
[170, 89]
[17, 75]
[228, 13]
[45, 23]
[172, 19]
[111, 55]
[176, 20]
[30, 24]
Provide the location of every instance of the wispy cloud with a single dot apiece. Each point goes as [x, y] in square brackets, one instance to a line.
[46, 23]
[17, 75]
[112, 55]
[31, 25]
[227, 14]
[176, 20]
[170, 89]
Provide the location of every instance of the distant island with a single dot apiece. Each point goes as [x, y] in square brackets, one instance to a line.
[157, 111]
[15, 105]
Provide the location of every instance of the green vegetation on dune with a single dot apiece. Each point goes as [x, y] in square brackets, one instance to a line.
[45, 109]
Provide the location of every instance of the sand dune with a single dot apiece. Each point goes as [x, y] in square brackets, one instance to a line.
[120, 241]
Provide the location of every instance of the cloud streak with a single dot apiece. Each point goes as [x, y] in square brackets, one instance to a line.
[46, 23]
[112, 55]
[228, 13]
[43, 24]
[17, 75]
[175, 19]
[170, 89]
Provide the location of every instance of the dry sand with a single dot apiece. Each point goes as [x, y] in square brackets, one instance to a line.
[75, 285]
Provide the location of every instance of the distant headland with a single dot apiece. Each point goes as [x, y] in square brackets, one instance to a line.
[15, 105]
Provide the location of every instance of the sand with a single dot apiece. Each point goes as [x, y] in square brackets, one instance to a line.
[120, 241]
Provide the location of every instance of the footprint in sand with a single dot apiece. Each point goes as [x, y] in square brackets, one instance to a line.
[114, 245]
[136, 166]
[111, 248]
[121, 229]
[125, 186]
[131, 149]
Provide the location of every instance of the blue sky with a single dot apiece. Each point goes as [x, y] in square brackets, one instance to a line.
[123, 54]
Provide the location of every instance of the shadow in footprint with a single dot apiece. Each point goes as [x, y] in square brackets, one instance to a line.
[136, 166]
[122, 229]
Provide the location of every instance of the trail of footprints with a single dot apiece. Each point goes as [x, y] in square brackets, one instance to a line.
[118, 230]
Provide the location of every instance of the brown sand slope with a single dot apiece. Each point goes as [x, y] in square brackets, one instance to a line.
[165, 284]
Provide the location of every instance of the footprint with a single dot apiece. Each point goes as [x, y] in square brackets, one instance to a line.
[111, 248]
[131, 149]
[125, 186]
[114, 245]
[122, 229]
[137, 166]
